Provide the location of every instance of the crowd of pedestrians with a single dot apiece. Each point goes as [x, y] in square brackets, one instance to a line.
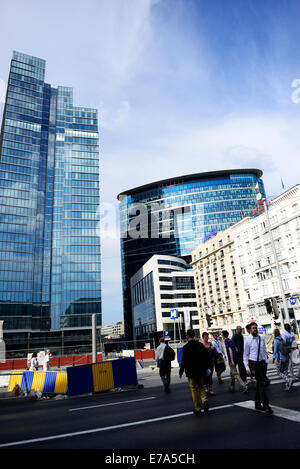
[247, 359]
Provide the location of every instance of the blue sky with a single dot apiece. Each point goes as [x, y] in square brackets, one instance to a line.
[181, 86]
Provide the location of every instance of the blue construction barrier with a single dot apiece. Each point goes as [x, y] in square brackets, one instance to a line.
[101, 376]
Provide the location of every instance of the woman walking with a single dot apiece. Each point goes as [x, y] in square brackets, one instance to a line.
[34, 364]
[212, 356]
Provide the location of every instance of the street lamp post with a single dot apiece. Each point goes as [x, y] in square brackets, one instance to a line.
[282, 294]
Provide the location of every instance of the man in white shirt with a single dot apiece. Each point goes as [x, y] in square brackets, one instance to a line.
[164, 368]
[46, 366]
[256, 360]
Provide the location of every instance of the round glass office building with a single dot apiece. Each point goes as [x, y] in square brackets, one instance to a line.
[175, 215]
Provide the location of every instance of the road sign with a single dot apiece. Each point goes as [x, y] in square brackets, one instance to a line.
[292, 301]
[261, 330]
[167, 335]
[173, 314]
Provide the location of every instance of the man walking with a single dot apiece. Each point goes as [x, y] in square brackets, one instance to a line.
[195, 363]
[256, 360]
[238, 340]
[232, 360]
[46, 366]
[219, 362]
[164, 364]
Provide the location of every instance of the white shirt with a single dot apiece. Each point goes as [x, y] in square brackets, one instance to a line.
[46, 362]
[251, 350]
[159, 354]
[218, 346]
[33, 364]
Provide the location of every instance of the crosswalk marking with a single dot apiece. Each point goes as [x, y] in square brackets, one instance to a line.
[273, 376]
[287, 414]
[110, 404]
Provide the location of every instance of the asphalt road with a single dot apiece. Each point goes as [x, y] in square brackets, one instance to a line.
[152, 419]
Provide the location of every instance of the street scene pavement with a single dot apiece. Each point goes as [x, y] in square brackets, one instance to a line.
[153, 419]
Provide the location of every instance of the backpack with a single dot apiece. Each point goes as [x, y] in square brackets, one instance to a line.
[284, 347]
[169, 354]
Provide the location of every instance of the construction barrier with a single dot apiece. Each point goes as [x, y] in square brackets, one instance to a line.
[101, 376]
[56, 362]
[44, 381]
[179, 355]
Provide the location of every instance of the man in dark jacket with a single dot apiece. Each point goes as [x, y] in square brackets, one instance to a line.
[238, 340]
[195, 363]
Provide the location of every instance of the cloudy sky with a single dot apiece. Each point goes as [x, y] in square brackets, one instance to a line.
[181, 86]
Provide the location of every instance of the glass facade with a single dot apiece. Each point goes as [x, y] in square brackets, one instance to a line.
[144, 305]
[50, 276]
[174, 216]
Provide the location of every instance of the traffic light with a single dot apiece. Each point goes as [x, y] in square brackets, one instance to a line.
[268, 306]
[208, 319]
[275, 308]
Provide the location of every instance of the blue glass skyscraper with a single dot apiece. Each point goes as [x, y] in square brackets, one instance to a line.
[50, 275]
[175, 215]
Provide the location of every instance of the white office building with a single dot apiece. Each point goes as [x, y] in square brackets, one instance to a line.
[162, 284]
[257, 262]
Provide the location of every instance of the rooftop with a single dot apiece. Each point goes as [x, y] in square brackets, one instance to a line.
[177, 180]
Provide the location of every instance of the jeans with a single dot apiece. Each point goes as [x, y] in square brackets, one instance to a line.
[197, 389]
[235, 376]
[282, 369]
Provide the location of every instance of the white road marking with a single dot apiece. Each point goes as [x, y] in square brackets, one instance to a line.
[103, 429]
[111, 403]
[287, 414]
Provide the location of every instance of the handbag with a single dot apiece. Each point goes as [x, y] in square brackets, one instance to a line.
[220, 359]
[220, 363]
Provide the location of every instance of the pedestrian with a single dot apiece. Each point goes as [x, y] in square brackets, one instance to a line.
[34, 364]
[29, 361]
[251, 376]
[289, 337]
[232, 360]
[212, 356]
[163, 364]
[238, 340]
[256, 360]
[281, 356]
[195, 363]
[46, 366]
[220, 366]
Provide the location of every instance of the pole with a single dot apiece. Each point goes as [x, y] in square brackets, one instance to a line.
[179, 328]
[94, 354]
[100, 340]
[174, 330]
[282, 294]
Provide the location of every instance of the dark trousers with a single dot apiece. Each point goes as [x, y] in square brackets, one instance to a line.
[260, 370]
[165, 372]
[241, 367]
